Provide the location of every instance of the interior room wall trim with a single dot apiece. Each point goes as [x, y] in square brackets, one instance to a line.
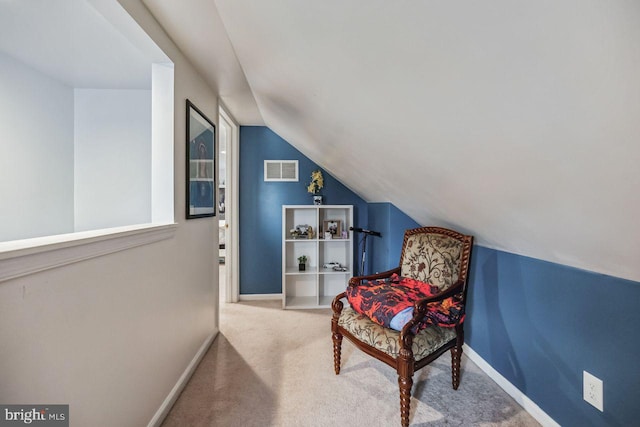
[23, 257]
[257, 297]
[541, 324]
[173, 395]
[522, 400]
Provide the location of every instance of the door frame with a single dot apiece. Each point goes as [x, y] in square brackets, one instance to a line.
[231, 203]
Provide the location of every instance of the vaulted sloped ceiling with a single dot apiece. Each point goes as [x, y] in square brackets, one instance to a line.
[516, 121]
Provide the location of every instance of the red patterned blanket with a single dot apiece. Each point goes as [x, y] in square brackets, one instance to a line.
[383, 300]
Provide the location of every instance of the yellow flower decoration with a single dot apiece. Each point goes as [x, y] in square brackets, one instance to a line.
[317, 182]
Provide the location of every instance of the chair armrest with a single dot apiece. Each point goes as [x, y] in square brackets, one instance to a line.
[420, 308]
[356, 280]
[337, 305]
[454, 289]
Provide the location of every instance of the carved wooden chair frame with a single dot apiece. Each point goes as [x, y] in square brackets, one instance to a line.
[405, 363]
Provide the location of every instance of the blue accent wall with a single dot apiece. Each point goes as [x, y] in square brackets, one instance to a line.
[398, 223]
[541, 324]
[383, 253]
[378, 257]
[260, 210]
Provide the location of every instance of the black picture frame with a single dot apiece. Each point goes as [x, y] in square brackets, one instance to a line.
[201, 164]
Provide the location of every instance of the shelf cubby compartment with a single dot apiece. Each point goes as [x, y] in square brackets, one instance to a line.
[330, 285]
[316, 286]
[295, 217]
[301, 291]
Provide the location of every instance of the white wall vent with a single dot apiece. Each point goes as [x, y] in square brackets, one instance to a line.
[281, 170]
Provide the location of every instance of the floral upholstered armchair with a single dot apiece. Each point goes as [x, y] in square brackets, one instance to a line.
[425, 296]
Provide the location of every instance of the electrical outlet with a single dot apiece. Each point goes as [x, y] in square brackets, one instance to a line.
[592, 388]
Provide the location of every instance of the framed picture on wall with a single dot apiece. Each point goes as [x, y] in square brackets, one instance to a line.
[333, 226]
[201, 164]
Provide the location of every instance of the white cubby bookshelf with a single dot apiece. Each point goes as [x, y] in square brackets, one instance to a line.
[316, 286]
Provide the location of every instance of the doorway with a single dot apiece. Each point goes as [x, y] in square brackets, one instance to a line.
[228, 207]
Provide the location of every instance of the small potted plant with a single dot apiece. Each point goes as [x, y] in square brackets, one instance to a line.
[302, 263]
[314, 187]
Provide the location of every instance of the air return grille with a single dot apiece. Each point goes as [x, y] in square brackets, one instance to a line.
[280, 170]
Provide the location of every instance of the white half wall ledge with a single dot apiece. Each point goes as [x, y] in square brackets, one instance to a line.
[23, 257]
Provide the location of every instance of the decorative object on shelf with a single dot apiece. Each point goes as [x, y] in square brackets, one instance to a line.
[331, 265]
[314, 187]
[327, 235]
[302, 263]
[201, 164]
[310, 233]
[301, 231]
[335, 266]
[334, 227]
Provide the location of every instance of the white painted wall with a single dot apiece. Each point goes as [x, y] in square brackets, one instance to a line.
[112, 162]
[112, 335]
[162, 150]
[36, 185]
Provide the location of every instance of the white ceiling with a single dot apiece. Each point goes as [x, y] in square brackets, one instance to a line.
[195, 26]
[60, 39]
[516, 121]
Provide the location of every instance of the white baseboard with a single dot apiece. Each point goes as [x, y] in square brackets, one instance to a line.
[257, 297]
[164, 409]
[526, 403]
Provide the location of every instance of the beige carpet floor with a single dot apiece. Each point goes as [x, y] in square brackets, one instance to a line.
[274, 367]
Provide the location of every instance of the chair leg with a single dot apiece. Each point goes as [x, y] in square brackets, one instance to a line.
[405, 399]
[456, 355]
[337, 349]
[405, 381]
